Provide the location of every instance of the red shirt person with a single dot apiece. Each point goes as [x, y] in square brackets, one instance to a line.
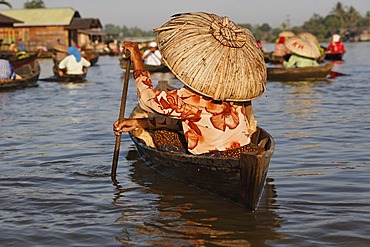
[336, 46]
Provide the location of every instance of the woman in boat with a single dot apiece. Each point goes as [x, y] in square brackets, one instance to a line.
[209, 126]
[300, 62]
[336, 46]
[74, 63]
[304, 53]
[152, 56]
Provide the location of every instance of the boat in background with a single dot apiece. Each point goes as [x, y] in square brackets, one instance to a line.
[151, 68]
[334, 57]
[318, 73]
[29, 72]
[20, 58]
[59, 54]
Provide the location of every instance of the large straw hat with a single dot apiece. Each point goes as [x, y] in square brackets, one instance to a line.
[286, 34]
[302, 47]
[60, 48]
[213, 56]
[309, 36]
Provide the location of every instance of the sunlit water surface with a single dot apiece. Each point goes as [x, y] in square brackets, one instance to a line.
[56, 147]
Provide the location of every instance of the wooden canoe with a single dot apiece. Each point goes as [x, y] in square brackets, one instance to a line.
[239, 180]
[151, 68]
[29, 72]
[334, 57]
[299, 74]
[18, 61]
[66, 78]
[92, 57]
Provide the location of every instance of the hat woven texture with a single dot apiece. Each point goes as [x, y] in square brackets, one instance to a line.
[213, 56]
[309, 36]
[303, 47]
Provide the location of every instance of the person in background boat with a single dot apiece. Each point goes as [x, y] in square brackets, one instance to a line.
[152, 55]
[300, 61]
[259, 44]
[210, 127]
[280, 48]
[20, 45]
[13, 47]
[74, 63]
[336, 46]
[7, 71]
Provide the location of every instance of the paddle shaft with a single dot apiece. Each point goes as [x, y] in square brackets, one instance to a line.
[120, 118]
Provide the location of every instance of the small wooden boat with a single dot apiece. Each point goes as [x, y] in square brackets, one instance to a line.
[334, 57]
[19, 59]
[151, 68]
[239, 180]
[66, 78]
[30, 74]
[90, 56]
[299, 74]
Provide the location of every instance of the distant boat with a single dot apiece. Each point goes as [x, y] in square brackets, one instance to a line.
[151, 68]
[334, 57]
[19, 59]
[91, 56]
[299, 74]
[66, 77]
[29, 72]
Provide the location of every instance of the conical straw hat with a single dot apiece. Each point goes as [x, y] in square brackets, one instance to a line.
[302, 47]
[309, 36]
[60, 48]
[286, 34]
[213, 56]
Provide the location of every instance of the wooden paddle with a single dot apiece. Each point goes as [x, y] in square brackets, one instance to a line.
[120, 117]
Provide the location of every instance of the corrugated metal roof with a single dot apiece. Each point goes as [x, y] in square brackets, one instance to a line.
[85, 23]
[8, 20]
[42, 17]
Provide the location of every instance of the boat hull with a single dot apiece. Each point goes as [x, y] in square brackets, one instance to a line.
[151, 68]
[29, 72]
[334, 57]
[239, 180]
[299, 74]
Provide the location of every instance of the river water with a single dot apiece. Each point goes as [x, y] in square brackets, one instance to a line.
[56, 146]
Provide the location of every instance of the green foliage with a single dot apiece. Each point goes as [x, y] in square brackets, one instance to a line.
[339, 18]
[34, 4]
[124, 31]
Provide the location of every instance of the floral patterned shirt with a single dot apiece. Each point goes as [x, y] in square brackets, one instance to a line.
[208, 126]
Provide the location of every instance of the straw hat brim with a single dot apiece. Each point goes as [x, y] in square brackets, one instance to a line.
[213, 56]
[60, 48]
[286, 34]
[302, 47]
[309, 36]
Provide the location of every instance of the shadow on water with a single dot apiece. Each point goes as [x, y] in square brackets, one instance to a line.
[171, 213]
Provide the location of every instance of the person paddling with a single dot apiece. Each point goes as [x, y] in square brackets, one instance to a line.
[218, 121]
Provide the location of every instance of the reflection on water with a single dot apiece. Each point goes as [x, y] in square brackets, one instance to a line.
[179, 215]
